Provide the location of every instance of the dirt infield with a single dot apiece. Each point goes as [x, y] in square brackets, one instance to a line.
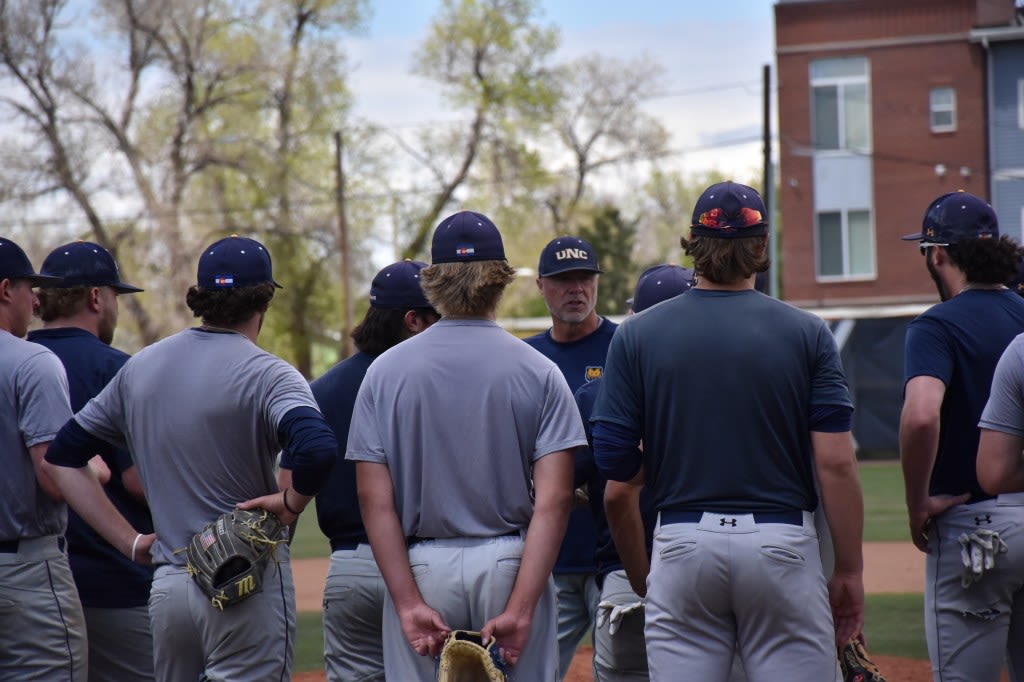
[888, 567]
[894, 669]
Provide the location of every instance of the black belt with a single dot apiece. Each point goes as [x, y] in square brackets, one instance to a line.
[416, 539]
[792, 518]
[337, 545]
[9, 546]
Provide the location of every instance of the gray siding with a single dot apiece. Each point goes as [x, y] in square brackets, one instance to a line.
[1004, 125]
[1008, 202]
[1007, 137]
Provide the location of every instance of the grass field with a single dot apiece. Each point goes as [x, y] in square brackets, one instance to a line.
[895, 626]
[885, 513]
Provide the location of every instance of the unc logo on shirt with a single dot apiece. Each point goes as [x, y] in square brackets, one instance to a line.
[593, 373]
[573, 254]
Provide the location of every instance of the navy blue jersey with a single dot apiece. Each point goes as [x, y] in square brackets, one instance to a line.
[104, 576]
[580, 361]
[606, 555]
[337, 504]
[720, 386]
[959, 342]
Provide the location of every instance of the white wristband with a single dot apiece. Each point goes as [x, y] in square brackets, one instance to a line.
[135, 545]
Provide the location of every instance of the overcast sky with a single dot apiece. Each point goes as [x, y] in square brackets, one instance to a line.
[713, 54]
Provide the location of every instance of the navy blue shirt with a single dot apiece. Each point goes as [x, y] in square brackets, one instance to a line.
[959, 342]
[104, 576]
[580, 361]
[337, 503]
[606, 554]
[721, 386]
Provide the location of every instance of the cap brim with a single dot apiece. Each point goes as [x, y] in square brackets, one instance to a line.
[42, 280]
[916, 237]
[559, 271]
[123, 288]
[276, 285]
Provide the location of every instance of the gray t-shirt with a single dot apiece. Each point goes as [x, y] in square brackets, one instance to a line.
[1005, 408]
[34, 404]
[199, 411]
[459, 413]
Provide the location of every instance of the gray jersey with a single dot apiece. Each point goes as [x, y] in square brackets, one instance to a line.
[199, 411]
[459, 413]
[34, 404]
[1005, 408]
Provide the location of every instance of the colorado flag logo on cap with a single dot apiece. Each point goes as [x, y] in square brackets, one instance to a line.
[224, 280]
[464, 250]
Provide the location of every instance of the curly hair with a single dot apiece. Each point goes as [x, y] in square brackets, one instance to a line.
[987, 261]
[383, 328]
[725, 261]
[229, 307]
[55, 304]
[466, 289]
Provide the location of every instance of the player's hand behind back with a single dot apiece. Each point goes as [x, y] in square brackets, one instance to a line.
[511, 633]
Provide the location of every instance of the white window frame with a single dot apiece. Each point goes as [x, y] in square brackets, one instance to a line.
[844, 222]
[840, 82]
[933, 109]
[1020, 103]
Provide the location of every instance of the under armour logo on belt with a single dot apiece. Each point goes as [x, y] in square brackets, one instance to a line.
[727, 522]
[987, 518]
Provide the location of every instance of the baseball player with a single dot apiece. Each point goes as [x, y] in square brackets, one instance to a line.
[42, 629]
[734, 412]
[79, 318]
[354, 593]
[619, 649]
[949, 361]
[204, 413]
[577, 342]
[463, 439]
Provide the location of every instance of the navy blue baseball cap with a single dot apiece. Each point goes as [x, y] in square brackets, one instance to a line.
[85, 264]
[466, 236]
[956, 217]
[729, 209]
[398, 286]
[564, 254]
[14, 264]
[660, 283]
[235, 262]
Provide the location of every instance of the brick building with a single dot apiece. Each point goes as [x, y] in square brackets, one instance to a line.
[883, 105]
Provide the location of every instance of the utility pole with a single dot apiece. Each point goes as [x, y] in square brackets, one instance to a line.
[768, 188]
[346, 279]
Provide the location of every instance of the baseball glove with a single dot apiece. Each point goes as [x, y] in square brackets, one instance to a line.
[855, 664]
[228, 557]
[464, 658]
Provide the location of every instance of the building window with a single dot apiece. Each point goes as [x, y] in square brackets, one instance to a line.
[841, 112]
[845, 244]
[1020, 104]
[942, 105]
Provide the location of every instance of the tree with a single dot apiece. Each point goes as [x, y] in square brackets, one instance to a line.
[612, 238]
[491, 59]
[599, 120]
[193, 117]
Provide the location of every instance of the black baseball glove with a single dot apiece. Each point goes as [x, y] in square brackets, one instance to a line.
[228, 558]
